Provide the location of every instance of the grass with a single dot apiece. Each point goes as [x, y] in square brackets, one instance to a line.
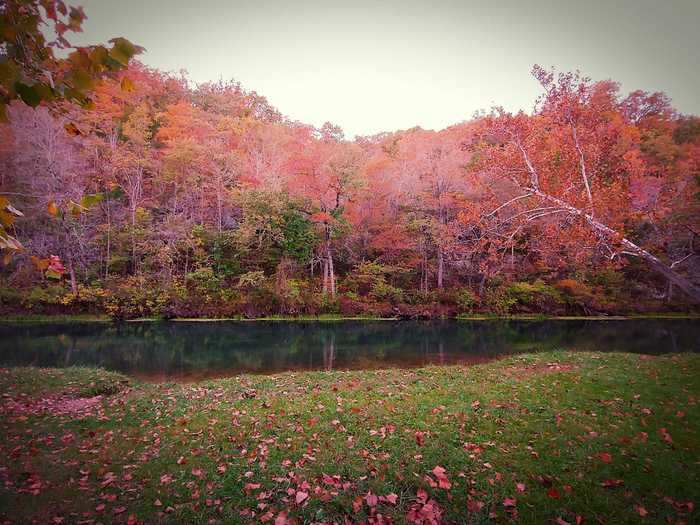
[603, 438]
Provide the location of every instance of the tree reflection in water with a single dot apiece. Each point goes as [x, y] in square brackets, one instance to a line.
[194, 350]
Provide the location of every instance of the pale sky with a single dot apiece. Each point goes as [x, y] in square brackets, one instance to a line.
[382, 66]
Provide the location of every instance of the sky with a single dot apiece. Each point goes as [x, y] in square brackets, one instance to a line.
[373, 66]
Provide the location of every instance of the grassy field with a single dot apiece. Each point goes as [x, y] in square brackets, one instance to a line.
[546, 438]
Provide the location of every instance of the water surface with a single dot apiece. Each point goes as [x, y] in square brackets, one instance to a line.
[160, 351]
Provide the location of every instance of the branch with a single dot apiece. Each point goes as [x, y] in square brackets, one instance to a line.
[682, 259]
[582, 164]
[511, 201]
[534, 177]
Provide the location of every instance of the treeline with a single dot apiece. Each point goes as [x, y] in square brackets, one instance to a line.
[166, 199]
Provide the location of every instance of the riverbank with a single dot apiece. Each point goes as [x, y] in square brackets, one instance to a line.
[610, 438]
[334, 317]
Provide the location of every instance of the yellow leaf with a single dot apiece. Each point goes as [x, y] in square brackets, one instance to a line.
[127, 84]
[52, 208]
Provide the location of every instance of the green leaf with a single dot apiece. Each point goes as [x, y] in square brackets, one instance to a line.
[81, 80]
[90, 200]
[9, 72]
[52, 274]
[116, 193]
[122, 50]
[29, 95]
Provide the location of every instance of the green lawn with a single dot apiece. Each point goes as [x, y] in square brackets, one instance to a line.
[546, 438]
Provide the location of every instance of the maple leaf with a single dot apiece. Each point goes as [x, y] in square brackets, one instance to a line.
[371, 499]
[301, 496]
[443, 482]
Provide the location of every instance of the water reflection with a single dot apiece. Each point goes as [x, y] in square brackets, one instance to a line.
[195, 350]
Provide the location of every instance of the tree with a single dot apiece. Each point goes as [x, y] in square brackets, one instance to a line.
[326, 172]
[568, 161]
[31, 72]
[50, 173]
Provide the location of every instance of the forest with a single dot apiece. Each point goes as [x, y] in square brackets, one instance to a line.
[158, 197]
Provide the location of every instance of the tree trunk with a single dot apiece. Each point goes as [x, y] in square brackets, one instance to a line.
[328, 271]
[325, 275]
[331, 272]
[73, 280]
[482, 285]
[441, 268]
[219, 207]
[109, 239]
[133, 240]
[425, 271]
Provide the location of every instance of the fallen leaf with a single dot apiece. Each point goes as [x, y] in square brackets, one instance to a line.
[553, 493]
[604, 457]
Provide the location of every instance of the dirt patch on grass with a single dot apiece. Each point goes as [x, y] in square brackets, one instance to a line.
[55, 405]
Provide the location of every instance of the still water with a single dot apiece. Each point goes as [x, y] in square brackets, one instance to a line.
[183, 351]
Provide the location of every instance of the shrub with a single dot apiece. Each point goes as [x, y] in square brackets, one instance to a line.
[251, 280]
[383, 291]
[466, 300]
[369, 278]
[136, 297]
[498, 301]
[522, 296]
[575, 293]
[39, 298]
[203, 280]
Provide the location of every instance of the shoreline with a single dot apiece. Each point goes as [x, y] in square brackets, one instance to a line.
[340, 318]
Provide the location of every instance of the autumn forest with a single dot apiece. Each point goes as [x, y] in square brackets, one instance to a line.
[163, 198]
